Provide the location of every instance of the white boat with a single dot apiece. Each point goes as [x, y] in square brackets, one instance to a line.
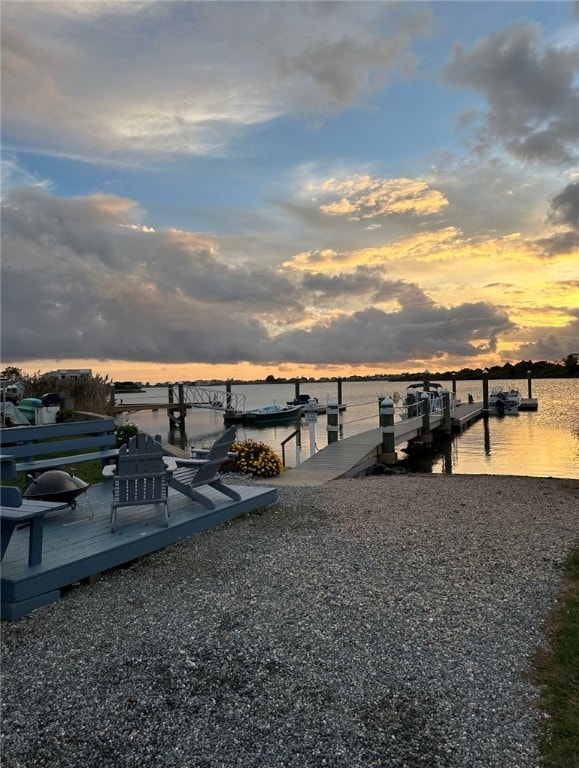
[413, 399]
[504, 402]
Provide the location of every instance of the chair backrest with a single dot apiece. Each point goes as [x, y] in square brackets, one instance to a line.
[216, 456]
[141, 474]
[10, 496]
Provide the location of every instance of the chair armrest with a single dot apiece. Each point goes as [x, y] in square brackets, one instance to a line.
[190, 462]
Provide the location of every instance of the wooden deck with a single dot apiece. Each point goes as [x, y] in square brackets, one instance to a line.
[79, 544]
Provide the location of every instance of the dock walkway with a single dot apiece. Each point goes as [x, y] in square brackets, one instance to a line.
[356, 454]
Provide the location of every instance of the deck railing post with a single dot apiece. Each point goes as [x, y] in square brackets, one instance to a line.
[446, 417]
[332, 411]
[386, 407]
[311, 416]
[425, 405]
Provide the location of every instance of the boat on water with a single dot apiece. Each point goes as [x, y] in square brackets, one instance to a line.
[268, 414]
[413, 398]
[305, 401]
[504, 402]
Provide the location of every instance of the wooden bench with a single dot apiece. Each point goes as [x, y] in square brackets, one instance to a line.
[29, 513]
[14, 512]
[38, 448]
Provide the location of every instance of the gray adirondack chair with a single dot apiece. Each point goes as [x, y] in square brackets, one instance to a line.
[193, 474]
[140, 476]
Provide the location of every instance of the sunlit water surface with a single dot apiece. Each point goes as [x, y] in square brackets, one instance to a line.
[544, 443]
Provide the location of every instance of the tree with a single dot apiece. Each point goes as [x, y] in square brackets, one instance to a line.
[11, 373]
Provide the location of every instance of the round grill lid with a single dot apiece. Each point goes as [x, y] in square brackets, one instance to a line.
[55, 485]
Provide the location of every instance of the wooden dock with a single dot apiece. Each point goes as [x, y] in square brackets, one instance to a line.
[357, 454]
[78, 544]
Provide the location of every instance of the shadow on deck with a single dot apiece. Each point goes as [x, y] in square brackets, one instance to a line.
[79, 544]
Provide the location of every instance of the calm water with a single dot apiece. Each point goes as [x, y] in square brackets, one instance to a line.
[544, 443]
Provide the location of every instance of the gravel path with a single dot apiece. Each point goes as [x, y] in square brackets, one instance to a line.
[385, 621]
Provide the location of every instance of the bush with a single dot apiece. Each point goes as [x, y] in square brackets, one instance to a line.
[125, 431]
[255, 458]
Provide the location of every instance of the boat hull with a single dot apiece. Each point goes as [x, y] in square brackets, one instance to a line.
[263, 417]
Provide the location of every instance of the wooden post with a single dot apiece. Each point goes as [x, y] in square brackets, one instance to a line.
[386, 407]
[228, 395]
[485, 382]
[182, 408]
[297, 391]
[340, 392]
[426, 380]
[332, 425]
[446, 420]
[170, 394]
[453, 377]
[425, 406]
[529, 385]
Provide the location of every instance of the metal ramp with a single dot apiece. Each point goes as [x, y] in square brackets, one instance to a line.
[213, 399]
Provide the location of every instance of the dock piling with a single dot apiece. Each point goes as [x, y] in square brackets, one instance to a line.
[485, 383]
[446, 415]
[425, 408]
[332, 425]
[386, 407]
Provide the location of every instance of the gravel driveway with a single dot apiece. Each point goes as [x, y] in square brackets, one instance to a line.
[383, 621]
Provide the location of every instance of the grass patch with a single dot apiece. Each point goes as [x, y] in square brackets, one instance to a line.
[557, 673]
[89, 471]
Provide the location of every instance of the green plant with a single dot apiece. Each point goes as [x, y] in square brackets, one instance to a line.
[255, 458]
[125, 431]
[556, 673]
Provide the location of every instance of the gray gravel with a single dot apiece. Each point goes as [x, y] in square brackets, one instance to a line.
[385, 621]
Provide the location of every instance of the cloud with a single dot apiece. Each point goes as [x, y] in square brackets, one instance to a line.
[152, 80]
[77, 281]
[532, 93]
[363, 197]
[565, 207]
[374, 336]
[83, 277]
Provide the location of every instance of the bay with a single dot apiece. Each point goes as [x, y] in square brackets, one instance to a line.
[543, 443]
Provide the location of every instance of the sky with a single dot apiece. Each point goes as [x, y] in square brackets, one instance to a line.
[197, 190]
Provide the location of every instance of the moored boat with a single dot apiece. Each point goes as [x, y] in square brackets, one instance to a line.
[504, 402]
[414, 394]
[268, 414]
[312, 403]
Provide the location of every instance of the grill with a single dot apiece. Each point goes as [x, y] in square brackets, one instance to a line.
[55, 485]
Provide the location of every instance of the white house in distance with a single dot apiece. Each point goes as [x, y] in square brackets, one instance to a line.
[71, 374]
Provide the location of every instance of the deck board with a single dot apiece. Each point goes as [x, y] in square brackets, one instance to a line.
[79, 543]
